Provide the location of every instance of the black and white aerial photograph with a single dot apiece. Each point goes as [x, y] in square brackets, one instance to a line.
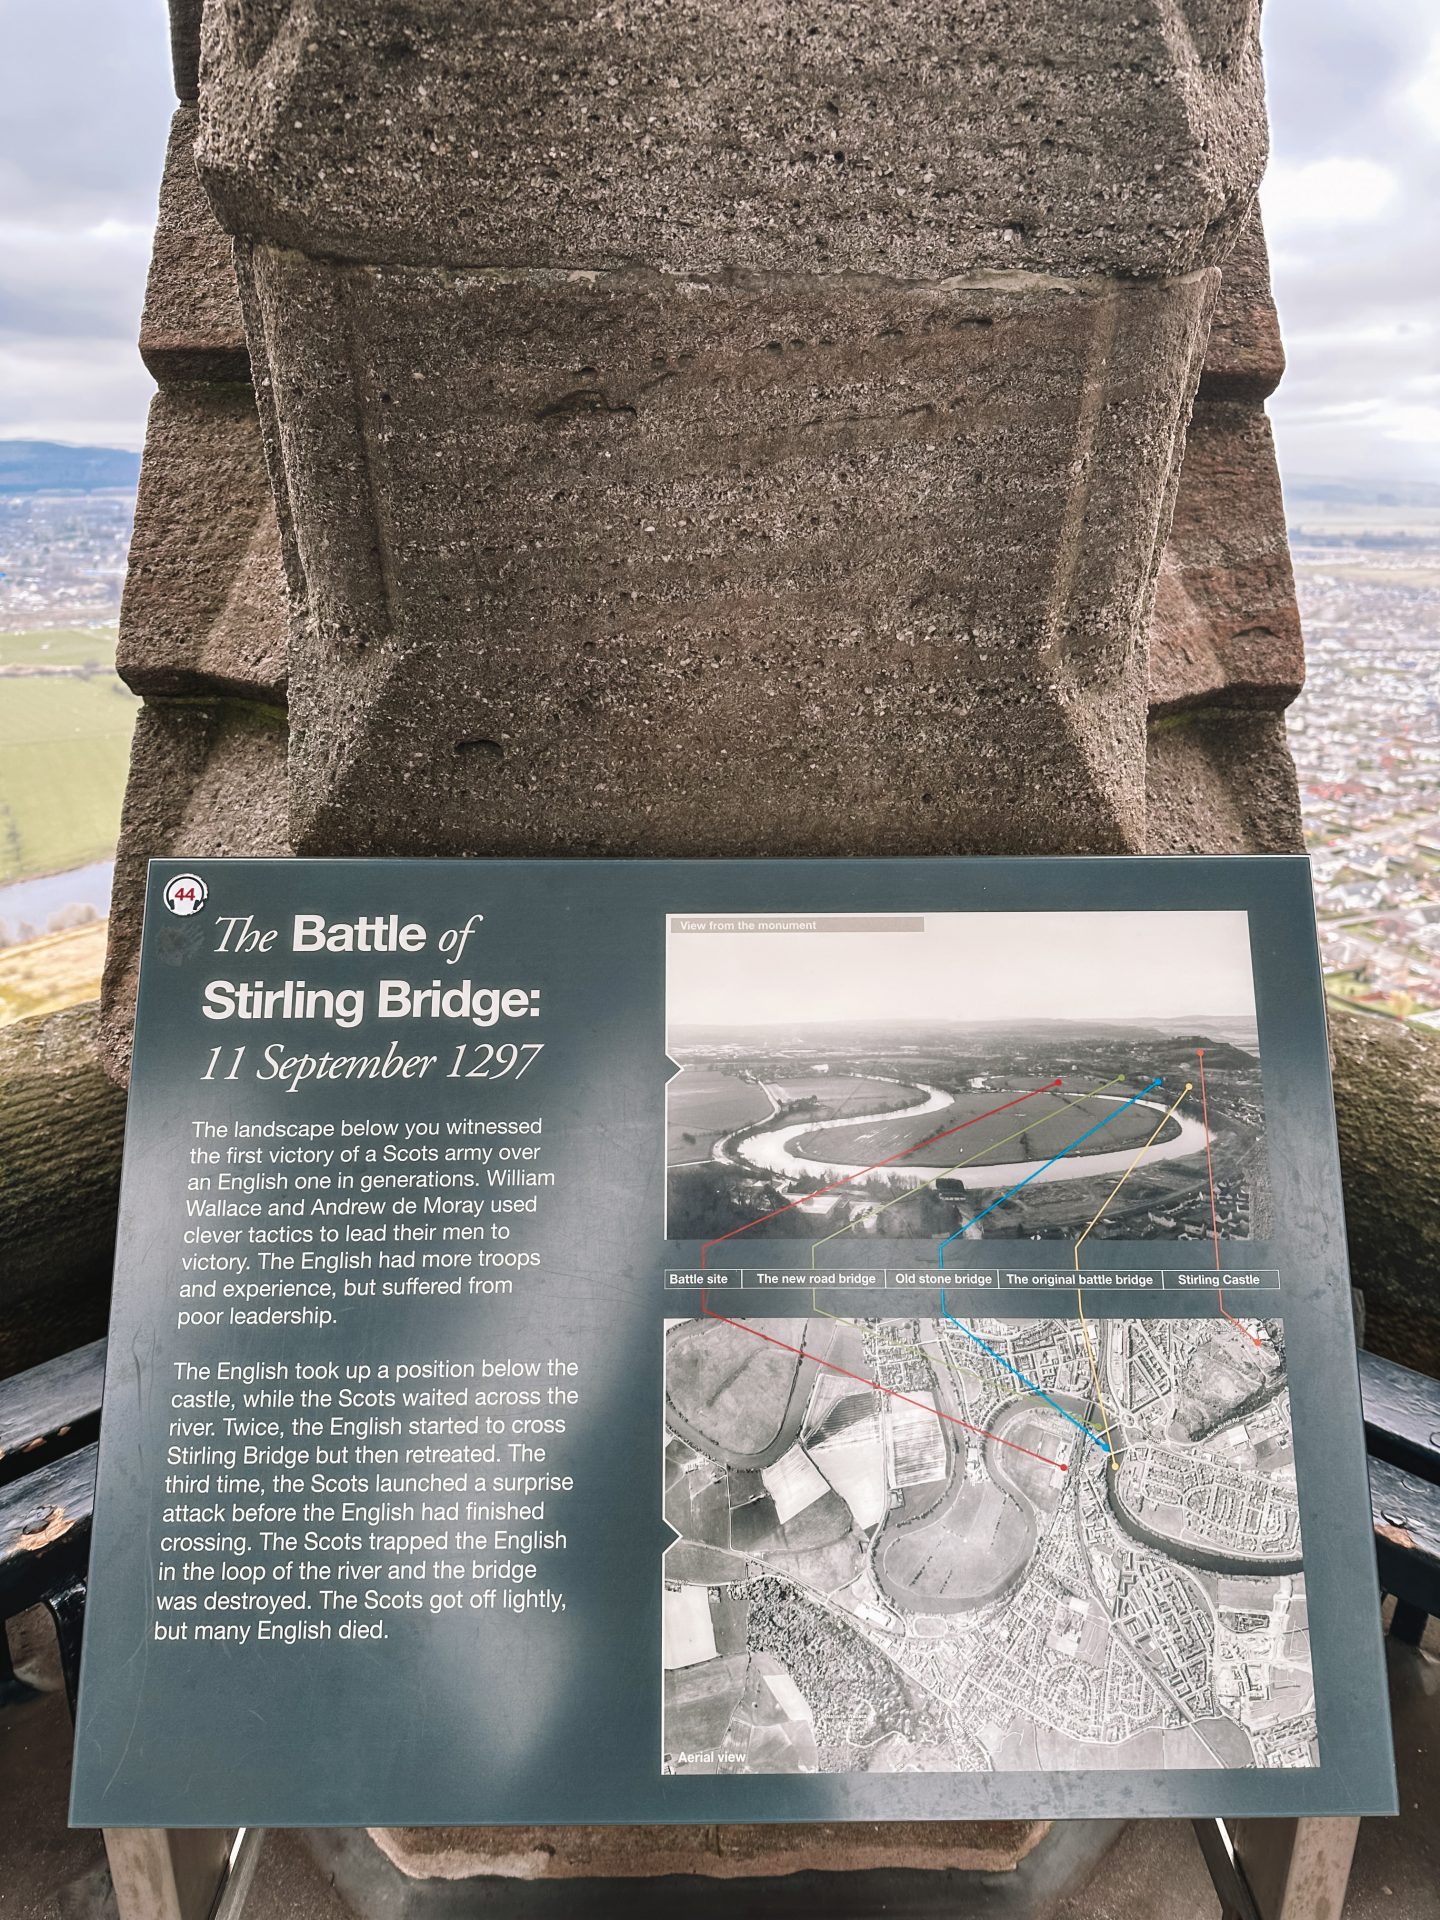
[851, 1078]
[935, 1545]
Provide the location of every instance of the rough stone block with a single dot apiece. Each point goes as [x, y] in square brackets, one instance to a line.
[185, 48]
[207, 780]
[632, 564]
[191, 327]
[937, 137]
[1245, 359]
[1221, 780]
[1225, 629]
[1387, 1107]
[716, 1852]
[61, 1125]
[204, 607]
[1225, 626]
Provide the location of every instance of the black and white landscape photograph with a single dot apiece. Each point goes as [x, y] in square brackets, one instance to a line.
[965, 1076]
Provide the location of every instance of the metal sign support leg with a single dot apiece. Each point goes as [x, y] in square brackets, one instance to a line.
[181, 1873]
[1279, 1869]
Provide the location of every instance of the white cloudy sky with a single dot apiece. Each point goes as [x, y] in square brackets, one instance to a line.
[1352, 207]
[1352, 201]
[967, 966]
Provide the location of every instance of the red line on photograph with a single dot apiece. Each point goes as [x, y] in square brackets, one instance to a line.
[1253, 1338]
[984, 1432]
[874, 1167]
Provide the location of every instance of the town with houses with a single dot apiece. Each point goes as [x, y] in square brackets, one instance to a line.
[62, 557]
[1366, 738]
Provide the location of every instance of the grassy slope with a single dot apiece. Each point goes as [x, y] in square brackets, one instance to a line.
[59, 647]
[45, 975]
[64, 751]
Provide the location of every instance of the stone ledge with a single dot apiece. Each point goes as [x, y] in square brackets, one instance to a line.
[191, 327]
[685, 137]
[185, 49]
[61, 1127]
[1221, 780]
[826, 565]
[1387, 1108]
[1225, 629]
[204, 608]
[207, 781]
[717, 1852]
[1245, 359]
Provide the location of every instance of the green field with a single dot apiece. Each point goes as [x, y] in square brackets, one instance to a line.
[64, 753]
[59, 970]
[59, 647]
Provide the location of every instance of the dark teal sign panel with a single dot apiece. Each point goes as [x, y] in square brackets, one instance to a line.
[729, 1341]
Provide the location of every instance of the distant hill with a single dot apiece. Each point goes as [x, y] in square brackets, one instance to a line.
[46, 466]
[1314, 490]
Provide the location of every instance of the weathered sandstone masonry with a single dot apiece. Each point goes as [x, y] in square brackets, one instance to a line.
[710, 433]
[685, 429]
[696, 436]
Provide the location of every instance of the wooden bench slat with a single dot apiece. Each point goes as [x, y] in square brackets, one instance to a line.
[50, 1409]
[1406, 1513]
[45, 1512]
[1402, 1416]
[45, 1527]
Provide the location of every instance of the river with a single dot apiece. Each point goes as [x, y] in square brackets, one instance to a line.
[770, 1152]
[31, 902]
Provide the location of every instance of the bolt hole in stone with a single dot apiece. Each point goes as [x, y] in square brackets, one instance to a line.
[580, 400]
[1215, 229]
[480, 749]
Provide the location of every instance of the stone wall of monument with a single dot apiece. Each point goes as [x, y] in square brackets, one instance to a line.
[686, 440]
[618, 442]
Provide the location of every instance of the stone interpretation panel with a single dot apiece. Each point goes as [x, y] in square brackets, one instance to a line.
[729, 1341]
